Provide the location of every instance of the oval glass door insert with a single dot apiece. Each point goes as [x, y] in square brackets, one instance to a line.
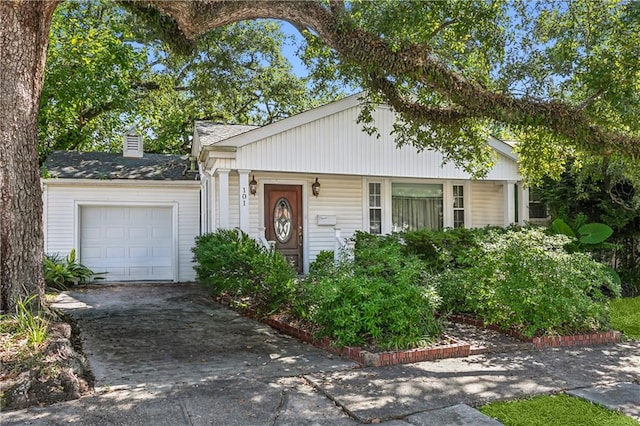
[282, 220]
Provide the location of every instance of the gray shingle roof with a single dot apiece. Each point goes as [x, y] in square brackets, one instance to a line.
[211, 133]
[106, 165]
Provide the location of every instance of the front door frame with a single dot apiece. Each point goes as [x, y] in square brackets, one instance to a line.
[305, 220]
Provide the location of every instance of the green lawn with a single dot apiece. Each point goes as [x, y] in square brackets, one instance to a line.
[625, 316]
[555, 410]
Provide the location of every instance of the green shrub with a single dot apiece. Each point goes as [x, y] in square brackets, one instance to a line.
[324, 262]
[224, 261]
[525, 279]
[230, 262]
[62, 272]
[443, 248]
[378, 298]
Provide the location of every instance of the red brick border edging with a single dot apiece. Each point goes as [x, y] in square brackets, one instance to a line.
[376, 359]
[588, 339]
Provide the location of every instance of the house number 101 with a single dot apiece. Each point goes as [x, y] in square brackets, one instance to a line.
[244, 195]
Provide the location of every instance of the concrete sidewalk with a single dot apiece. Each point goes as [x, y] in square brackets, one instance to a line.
[169, 355]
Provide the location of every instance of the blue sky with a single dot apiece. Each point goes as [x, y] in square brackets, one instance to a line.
[289, 50]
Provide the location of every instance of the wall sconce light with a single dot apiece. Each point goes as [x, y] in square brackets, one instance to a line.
[253, 186]
[315, 188]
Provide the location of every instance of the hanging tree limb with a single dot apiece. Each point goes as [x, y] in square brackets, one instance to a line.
[415, 62]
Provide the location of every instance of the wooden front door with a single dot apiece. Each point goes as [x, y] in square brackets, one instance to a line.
[283, 220]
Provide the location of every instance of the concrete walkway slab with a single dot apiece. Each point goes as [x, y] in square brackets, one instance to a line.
[394, 392]
[456, 415]
[623, 397]
[238, 402]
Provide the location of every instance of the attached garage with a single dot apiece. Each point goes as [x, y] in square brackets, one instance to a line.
[129, 243]
[134, 218]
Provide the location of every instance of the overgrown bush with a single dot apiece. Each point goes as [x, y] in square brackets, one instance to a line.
[324, 262]
[230, 262]
[379, 298]
[440, 249]
[525, 279]
[63, 272]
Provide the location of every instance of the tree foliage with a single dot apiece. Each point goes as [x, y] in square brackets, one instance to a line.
[561, 77]
[107, 72]
[558, 76]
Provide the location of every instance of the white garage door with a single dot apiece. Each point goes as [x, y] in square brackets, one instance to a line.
[130, 243]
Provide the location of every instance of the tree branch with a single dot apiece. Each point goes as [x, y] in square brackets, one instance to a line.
[416, 62]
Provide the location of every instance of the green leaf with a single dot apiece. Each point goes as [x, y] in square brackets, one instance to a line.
[559, 226]
[594, 233]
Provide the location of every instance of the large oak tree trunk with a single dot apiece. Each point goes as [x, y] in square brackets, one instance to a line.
[24, 35]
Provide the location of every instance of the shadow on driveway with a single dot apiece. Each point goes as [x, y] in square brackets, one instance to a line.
[147, 335]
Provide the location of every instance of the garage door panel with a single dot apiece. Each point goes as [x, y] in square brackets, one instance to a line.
[139, 233]
[115, 214]
[130, 243]
[139, 214]
[139, 252]
[92, 233]
[114, 232]
[115, 252]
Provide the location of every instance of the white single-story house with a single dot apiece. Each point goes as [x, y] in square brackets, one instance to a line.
[304, 184]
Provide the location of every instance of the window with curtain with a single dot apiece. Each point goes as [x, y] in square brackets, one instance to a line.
[375, 208]
[458, 206]
[416, 206]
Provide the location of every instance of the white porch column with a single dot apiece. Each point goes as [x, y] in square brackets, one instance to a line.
[523, 204]
[223, 197]
[243, 200]
[205, 196]
[509, 202]
[447, 204]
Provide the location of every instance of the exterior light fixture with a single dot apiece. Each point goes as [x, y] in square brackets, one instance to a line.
[253, 186]
[315, 188]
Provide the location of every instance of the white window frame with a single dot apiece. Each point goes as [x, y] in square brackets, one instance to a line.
[369, 207]
[447, 200]
[464, 204]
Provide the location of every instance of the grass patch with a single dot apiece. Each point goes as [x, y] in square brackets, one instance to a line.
[25, 324]
[555, 410]
[625, 316]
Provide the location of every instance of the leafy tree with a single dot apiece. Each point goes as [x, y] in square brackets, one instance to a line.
[106, 73]
[92, 79]
[561, 77]
[594, 190]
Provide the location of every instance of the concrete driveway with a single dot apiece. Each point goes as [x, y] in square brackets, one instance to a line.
[150, 335]
[169, 355]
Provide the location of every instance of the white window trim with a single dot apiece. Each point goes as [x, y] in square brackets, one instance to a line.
[447, 200]
[366, 207]
[466, 200]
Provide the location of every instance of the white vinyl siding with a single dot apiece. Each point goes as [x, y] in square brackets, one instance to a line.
[64, 199]
[340, 196]
[487, 202]
[336, 144]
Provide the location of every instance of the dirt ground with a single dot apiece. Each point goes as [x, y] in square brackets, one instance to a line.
[56, 372]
